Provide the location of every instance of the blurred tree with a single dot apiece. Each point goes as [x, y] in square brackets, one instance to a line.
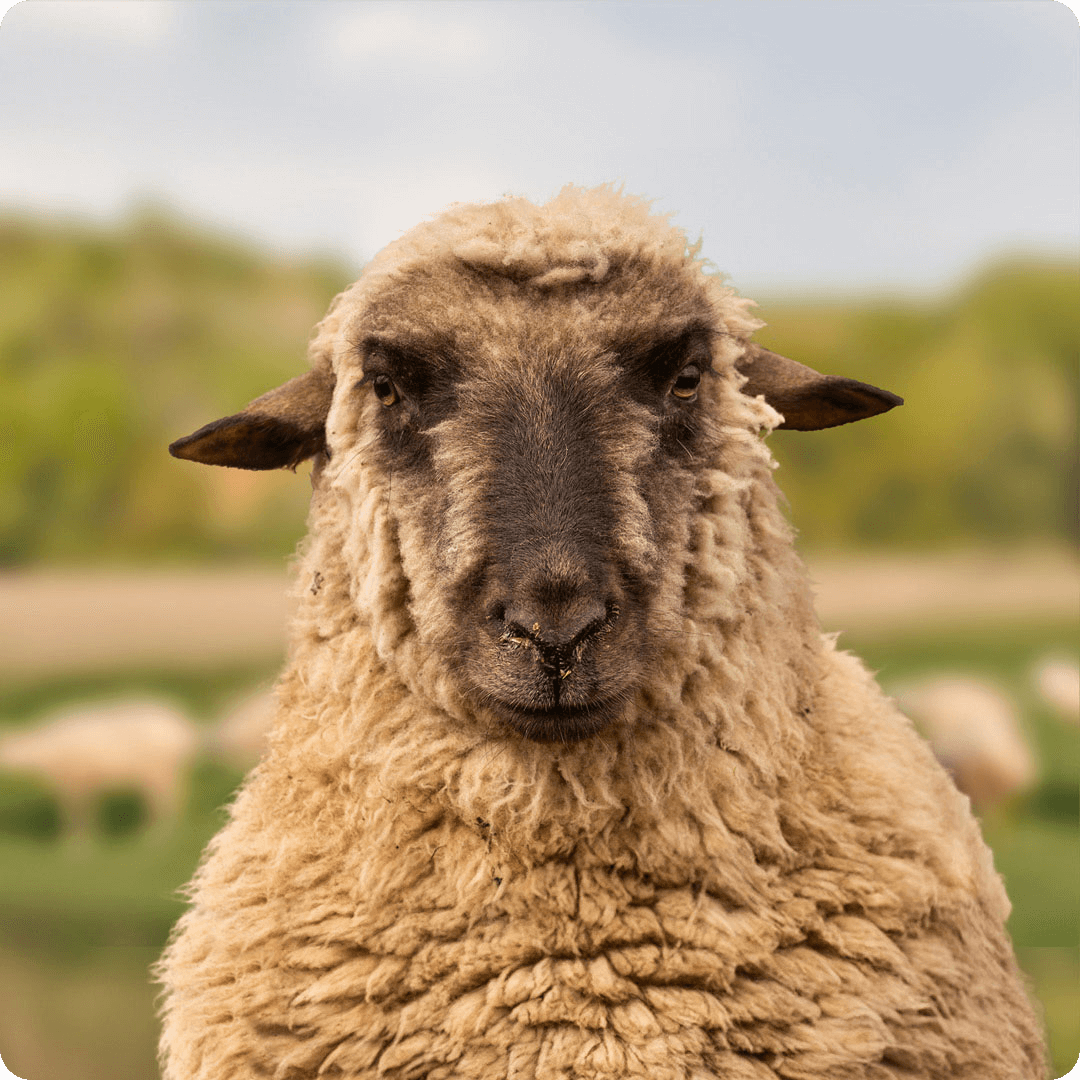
[985, 447]
[112, 344]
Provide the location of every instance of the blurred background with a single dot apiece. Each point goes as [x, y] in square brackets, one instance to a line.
[183, 188]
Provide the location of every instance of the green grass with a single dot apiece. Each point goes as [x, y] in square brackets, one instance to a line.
[1054, 974]
[118, 888]
[80, 924]
[91, 1018]
[1036, 839]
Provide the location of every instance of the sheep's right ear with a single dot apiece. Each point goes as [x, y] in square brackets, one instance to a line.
[276, 431]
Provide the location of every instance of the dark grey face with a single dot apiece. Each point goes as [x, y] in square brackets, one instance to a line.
[552, 485]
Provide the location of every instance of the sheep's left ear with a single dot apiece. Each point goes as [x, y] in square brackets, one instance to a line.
[278, 430]
[807, 400]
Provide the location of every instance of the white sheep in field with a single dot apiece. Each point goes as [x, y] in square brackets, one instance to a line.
[240, 736]
[86, 750]
[1057, 682]
[975, 731]
[564, 780]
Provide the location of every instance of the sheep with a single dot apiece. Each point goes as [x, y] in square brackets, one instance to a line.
[975, 732]
[84, 750]
[564, 779]
[5, 1072]
[1057, 683]
[240, 736]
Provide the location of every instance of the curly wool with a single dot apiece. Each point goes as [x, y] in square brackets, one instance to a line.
[759, 872]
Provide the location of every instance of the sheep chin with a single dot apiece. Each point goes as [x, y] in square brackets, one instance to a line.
[557, 725]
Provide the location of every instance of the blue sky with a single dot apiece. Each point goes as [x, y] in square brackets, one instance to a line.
[817, 145]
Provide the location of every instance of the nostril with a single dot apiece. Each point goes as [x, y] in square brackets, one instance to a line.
[512, 634]
[588, 631]
[558, 626]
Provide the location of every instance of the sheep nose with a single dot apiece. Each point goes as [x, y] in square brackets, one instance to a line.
[556, 631]
[557, 626]
[554, 599]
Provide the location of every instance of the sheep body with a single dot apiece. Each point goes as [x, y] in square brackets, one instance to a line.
[974, 730]
[757, 870]
[240, 735]
[1057, 682]
[83, 751]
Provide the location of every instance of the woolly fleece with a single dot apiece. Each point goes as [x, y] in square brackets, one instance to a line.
[761, 872]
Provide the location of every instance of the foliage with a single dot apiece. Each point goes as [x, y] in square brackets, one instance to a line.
[984, 448]
[112, 344]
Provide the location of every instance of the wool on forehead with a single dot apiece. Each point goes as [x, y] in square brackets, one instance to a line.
[579, 235]
[599, 248]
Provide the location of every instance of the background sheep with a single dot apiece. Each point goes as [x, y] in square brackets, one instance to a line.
[1057, 683]
[84, 751]
[239, 737]
[976, 734]
[565, 780]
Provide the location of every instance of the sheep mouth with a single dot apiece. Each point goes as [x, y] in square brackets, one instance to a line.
[551, 693]
[557, 724]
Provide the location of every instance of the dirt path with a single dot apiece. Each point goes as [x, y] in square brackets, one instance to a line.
[886, 593]
[64, 621]
[58, 621]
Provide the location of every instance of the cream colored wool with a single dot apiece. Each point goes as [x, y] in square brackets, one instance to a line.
[759, 872]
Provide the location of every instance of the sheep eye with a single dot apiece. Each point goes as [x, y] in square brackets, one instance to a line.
[686, 382]
[385, 390]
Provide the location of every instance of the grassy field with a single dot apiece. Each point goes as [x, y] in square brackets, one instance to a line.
[80, 924]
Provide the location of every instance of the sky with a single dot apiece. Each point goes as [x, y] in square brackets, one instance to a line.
[816, 146]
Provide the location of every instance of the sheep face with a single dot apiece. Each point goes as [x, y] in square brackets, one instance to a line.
[540, 396]
[542, 483]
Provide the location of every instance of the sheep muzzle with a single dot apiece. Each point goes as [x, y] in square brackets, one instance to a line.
[553, 659]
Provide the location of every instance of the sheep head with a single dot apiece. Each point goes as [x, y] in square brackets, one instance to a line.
[538, 393]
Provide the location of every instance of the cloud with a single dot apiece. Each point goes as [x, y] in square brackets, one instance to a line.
[125, 22]
[415, 34]
[341, 125]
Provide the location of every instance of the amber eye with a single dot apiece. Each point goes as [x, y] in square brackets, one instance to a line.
[385, 390]
[686, 382]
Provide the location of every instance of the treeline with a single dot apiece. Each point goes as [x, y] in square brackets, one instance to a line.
[114, 342]
[984, 449]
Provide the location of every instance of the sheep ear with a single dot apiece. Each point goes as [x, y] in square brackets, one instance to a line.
[278, 430]
[809, 401]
